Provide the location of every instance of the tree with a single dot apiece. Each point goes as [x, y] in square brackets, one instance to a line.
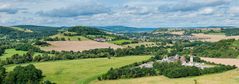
[24, 75]
[2, 74]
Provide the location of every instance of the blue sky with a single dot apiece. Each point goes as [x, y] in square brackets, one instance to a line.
[137, 13]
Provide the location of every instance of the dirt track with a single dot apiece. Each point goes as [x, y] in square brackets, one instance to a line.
[78, 45]
[227, 61]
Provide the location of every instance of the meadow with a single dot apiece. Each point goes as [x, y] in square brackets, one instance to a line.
[229, 77]
[10, 52]
[121, 42]
[81, 71]
[72, 38]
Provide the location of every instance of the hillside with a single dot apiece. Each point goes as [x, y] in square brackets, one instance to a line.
[27, 31]
[125, 29]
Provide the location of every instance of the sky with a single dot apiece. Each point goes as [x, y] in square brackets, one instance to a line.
[135, 13]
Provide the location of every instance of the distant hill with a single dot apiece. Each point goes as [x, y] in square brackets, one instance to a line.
[125, 29]
[85, 30]
[27, 31]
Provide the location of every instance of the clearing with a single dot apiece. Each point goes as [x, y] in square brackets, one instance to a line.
[81, 71]
[72, 38]
[78, 45]
[229, 77]
[10, 52]
[226, 61]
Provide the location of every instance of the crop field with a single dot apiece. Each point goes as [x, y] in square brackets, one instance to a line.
[229, 77]
[78, 45]
[214, 38]
[81, 71]
[227, 61]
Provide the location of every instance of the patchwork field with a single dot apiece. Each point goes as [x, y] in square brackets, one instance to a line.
[227, 61]
[81, 71]
[78, 45]
[214, 38]
[229, 77]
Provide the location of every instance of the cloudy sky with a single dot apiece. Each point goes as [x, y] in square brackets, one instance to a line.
[137, 13]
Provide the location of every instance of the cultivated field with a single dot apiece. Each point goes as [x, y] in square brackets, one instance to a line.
[227, 61]
[214, 38]
[78, 45]
[229, 77]
[177, 32]
[81, 71]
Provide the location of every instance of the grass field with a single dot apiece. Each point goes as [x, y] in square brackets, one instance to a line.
[72, 38]
[120, 42]
[11, 52]
[229, 77]
[81, 71]
[148, 44]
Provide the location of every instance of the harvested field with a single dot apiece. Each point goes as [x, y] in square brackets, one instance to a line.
[226, 61]
[214, 38]
[78, 45]
[177, 32]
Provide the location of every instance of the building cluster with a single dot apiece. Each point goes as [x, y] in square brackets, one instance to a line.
[176, 58]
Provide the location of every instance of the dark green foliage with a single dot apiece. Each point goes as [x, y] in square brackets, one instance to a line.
[41, 43]
[38, 32]
[129, 72]
[3, 74]
[221, 49]
[24, 75]
[27, 47]
[176, 70]
[83, 30]
[231, 31]
[182, 71]
[2, 51]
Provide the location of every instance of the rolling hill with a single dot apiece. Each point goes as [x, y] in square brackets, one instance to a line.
[125, 29]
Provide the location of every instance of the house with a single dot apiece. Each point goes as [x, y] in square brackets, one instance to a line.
[100, 40]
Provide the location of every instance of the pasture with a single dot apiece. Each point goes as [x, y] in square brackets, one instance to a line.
[10, 52]
[229, 77]
[81, 71]
[78, 45]
[121, 42]
[72, 38]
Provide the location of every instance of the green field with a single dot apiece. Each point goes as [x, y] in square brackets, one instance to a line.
[73, 38]
[81, 71]
[120, 42]
[147, 44]
[229, 77]
[10, 52]
[21, 29]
